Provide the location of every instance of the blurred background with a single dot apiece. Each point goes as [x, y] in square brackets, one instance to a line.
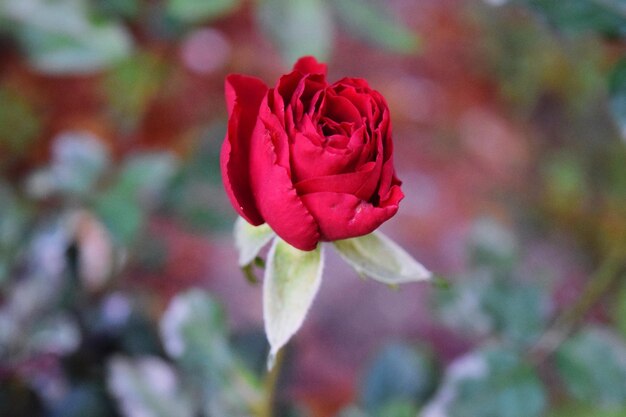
[119, 288]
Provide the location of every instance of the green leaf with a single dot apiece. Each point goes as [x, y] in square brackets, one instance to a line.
[372, 22]
[593, 367]
[196, 11]
[292, 279]
[60, 37]
[122, 216]
[147, 386]
[249, 240]
[378, 257]
[95, 47]
[491, 382]
[131, 85]
[399, 374]
[146, 174]
[194, 334]
[79, 159]
[603, 16]
[299, 27]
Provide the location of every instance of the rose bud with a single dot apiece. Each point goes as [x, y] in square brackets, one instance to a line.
[312, 159]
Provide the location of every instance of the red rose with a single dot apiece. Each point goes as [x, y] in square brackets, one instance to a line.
[312, 159]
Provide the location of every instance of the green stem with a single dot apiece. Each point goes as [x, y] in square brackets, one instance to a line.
[271, 383]
[598, 286]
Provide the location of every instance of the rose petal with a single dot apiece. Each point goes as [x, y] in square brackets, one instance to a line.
[274, 192]
[243, 96]
[310, 158]
[340, 109]
[362, 183]
[341, 216]
[309, 65]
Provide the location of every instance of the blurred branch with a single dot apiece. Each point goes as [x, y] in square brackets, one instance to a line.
[597, 287]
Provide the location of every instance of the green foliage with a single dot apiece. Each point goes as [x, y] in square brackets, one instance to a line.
[605, 16]
[62, 37]
[492, 300]
[195, 196]
[193, 330]
[121, 205]
[373, 22]
[593, 367]
[131, 85]
[398, 380]
[20, 123]
[299, 27]
[147, 386]
[491, 382]
[196, 11]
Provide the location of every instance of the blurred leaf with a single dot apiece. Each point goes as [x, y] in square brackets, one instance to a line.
[78, 161]
[251, 348]
[593, 367]
[193, 333]
[123, 8]
[373, 22]
[20, 124]
[94, 48]
[57, 334]
[490, 382]
[299, 27]
[131, 85]
[566, 180]
[249, 240]
[147, 387]
[492, 244]
[15, 218]
[489, 301]
[520, 310]
[400, 377]
[617, 90]
[85, 400]
[146, 174]
[461, 306]
[121, 215]
[378, 257]
[196, 11]
[196, 195]
[607, 17]
[292, 279]
[60, 36]
[123, 207]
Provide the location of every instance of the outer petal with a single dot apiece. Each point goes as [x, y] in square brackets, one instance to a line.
[274, 192]
[341, 216]
[309, 65]
[243, 97]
